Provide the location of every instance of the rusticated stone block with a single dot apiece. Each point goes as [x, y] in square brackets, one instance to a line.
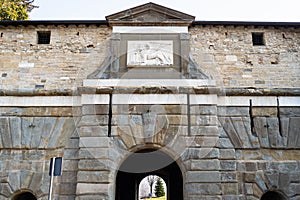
[228, 177]
[227, 154]
[67, 188]
[202, 153]
[204, 130]
[228, 165]
[69, 176]
[94, 176]
[206, 141]
[96, 164]
[95, 109]
[94, 120]
[93, 131]
[97, 142]
[203, 188]
[5, 190]
[229, 188]
[294, 132]
[93, 153]
[5, 133]
[93, 197]
[203, 177]
[264, 111]
[91, 188]
[205, 165]
[203, 110]
[233, 111]
[204, 120]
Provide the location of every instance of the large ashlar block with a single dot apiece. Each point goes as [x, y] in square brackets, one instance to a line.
[92, 188]
[205, 165]
[96, 142]
[203, 177]
[203, 189]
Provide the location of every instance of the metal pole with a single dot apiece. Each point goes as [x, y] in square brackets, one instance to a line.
[51, 180]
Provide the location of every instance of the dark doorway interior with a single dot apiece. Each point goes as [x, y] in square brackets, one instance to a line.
[25, 196]
[273, 195]
[148, 162]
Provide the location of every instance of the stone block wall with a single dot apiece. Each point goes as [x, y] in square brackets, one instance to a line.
[226, 53]
[30, 136]
[74, 52]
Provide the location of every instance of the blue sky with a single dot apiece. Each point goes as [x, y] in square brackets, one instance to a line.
[207, 10]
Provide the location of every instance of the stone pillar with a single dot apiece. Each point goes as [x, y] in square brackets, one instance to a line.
[184, 53]
[94, 173]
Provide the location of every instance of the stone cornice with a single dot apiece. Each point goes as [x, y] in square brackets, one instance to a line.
[154, 90]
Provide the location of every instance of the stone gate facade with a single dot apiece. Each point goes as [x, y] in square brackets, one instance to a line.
[211, 107]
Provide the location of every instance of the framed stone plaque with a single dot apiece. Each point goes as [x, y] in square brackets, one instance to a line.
[150, 53]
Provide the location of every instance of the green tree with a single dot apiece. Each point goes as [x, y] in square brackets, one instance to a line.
[15, 9]
[159, 188]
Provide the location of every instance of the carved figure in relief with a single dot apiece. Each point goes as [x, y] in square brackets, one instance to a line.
[150, 53]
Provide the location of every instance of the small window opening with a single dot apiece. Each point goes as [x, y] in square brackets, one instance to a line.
[25, 196]
[258, 39]
[1, 35]
[44, 37]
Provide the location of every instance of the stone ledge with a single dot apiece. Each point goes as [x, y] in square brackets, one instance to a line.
[171, 88]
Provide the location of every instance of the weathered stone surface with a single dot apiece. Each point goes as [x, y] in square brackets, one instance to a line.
[228, 165]
[229, 188]
[203, 189]
[93, 197]
[204, 130]
[227, 154]
[225, 143]
[95, 109]
[94, 176]
[205, 165]
[96, 164]
[93, 131]
[231, 132]
[93, 153]
[260, 124]
[293, 132]
[5, 133]
[203, 110]
[228, 177]
[233, 111]
[202, 153]
[91, 188]
[94, 142]
[264, 112]
[94, 120]
[203, 177]
[15, 128]
[204, 120]
[67, 189]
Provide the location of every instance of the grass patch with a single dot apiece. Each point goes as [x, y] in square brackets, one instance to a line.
[157, 198]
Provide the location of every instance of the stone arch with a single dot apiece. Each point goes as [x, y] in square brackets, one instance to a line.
[24, 195]
[273, 195]
[143, 163]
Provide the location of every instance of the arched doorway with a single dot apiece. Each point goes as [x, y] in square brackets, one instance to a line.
[148, 162]
[273, 195]
[152, 185]
[24, 196]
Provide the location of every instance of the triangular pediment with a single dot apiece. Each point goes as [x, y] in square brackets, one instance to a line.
[150, 14]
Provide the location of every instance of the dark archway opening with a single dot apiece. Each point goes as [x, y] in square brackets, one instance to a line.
[24, 196]
[273, 195]
[148, 162]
